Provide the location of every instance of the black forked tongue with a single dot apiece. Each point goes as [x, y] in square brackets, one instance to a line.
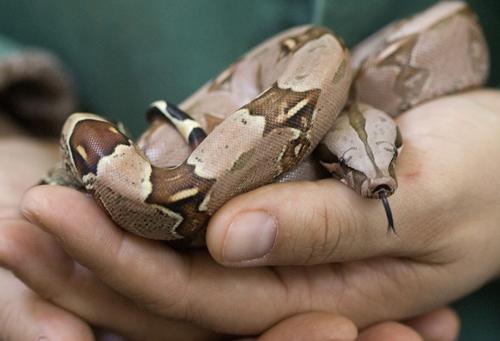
[382, 191]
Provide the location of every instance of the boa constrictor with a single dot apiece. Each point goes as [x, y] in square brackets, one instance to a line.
[260, 119]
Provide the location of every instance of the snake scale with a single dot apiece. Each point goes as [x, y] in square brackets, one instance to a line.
[260, 120]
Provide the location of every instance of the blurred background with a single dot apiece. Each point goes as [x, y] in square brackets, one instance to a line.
[125, 54]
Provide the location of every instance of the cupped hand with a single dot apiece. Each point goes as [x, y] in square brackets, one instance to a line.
[71, 293]
[324, 248]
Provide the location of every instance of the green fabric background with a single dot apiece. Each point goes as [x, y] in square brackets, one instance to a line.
[8, 46]
[126, 53]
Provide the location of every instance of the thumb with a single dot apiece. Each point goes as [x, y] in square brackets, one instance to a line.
[301, 223]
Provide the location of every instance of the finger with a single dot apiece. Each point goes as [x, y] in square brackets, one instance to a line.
[180, 286]
[35, 258]
[389, 331]
[312, 326]
[188, 286]
[25, 316]
[439, 325]
[302, 223]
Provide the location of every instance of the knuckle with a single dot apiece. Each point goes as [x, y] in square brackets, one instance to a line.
[340, 224]
[319, 224]
[327, 231]
[127, 260]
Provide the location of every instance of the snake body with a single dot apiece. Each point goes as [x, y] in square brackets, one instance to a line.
[260, 120]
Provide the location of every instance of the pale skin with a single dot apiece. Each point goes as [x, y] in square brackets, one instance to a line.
[73, 298]
[25, 315]
[446, 213]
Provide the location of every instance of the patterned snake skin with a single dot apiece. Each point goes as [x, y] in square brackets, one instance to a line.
[260, 120]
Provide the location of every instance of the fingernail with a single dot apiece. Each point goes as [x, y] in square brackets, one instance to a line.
[250, 236]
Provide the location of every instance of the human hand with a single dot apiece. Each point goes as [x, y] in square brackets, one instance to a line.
[38, 260]
[26, 315]
[359, 271]
[49, 275]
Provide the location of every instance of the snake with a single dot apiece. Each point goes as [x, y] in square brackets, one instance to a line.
[299, 106]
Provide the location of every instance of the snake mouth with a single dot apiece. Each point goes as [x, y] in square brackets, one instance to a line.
[371, 188]
[382, 190]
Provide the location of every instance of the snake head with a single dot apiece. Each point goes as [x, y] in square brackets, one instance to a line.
[361, 151]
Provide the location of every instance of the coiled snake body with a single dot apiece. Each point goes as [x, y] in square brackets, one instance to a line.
[285, 97]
